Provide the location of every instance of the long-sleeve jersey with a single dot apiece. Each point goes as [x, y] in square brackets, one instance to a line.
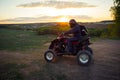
[76, 31]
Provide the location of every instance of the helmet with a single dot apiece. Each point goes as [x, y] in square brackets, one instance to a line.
[72, 23]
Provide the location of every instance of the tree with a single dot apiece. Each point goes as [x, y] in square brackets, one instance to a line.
[117, 10]
[116, 14]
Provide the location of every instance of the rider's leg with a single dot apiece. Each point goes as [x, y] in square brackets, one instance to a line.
[69, 45]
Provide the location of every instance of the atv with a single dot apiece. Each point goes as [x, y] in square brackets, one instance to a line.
[80, 48]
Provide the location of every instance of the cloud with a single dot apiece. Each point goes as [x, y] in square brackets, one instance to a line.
[84, 17]
[29, 19]
[18, 19]
[56, 4]
[45, 18]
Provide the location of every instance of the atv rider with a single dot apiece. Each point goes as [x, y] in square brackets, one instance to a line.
[78, 32]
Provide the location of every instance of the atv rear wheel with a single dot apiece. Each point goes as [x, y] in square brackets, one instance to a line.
[49, 56]
[84, 57]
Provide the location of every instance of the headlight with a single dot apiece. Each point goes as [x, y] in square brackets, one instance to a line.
[58, 37]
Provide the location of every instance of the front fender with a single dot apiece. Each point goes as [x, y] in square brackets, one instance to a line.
[53, 43]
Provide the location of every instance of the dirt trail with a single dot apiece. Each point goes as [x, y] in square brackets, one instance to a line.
[106, 64]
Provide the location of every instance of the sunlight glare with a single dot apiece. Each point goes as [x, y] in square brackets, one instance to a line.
[63, 19]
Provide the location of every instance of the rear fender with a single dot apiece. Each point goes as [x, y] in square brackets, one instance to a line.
[86, 42]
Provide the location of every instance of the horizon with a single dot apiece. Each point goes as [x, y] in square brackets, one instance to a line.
[53, 22]
[47, 11]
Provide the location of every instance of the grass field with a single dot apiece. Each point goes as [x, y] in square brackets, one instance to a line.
[22, 40]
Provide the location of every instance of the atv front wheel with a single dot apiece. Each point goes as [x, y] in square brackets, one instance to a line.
[49, 56]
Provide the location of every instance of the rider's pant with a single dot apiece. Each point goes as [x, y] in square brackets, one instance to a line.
[69, 43]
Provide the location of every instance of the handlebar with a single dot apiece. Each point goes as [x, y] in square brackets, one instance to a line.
[61, 35]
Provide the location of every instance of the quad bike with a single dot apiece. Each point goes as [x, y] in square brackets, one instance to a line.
[80, 49]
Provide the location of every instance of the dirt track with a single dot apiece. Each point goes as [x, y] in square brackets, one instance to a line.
[106, 64]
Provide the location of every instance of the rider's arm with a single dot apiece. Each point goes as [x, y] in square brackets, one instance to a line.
[71, 31]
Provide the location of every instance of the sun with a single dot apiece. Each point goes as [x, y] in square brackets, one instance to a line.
[63, 19]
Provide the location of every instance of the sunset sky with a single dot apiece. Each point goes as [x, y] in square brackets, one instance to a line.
[31, 11]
